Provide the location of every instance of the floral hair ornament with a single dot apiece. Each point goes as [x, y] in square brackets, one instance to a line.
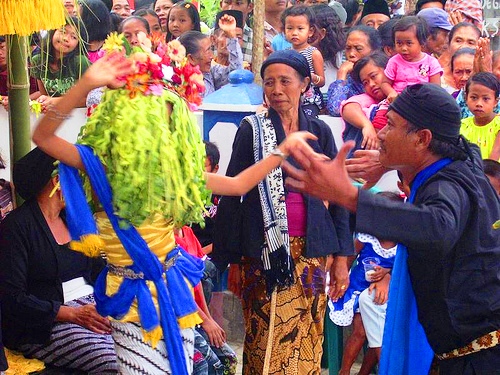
[165, 67]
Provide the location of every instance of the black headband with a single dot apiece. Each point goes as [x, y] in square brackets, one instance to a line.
[429, 106]
[288, 57]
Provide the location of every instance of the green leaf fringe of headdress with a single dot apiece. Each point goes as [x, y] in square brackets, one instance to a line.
[154, 162]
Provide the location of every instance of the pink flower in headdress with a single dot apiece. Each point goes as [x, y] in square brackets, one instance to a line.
[176, 79]
[155, 70]
[156, 89]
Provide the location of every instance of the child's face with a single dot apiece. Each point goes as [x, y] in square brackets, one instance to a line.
[407, 45]
[481, 101]
[179, 21]
[463, 66]
[372, 76]
[209, 168]
[357, 46]
[65, 40]
[298, 31]
[131, 30]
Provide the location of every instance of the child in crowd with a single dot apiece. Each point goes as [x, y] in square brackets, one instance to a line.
[364, 114]
[4, 90]
[210, 338]
[154, 23]
[410, 65]
[95, 16]
[481, 94]
[463, 66]
[298, 23]
[345, 311]
[199, 52]
[205, 235]
[492, 171]
[182, 17]
[329, 38]
[61, 62]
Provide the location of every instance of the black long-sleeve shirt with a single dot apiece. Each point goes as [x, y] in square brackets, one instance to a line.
[31, 264]
[453, 251]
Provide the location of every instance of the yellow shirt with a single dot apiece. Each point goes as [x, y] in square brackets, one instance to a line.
[483, 136]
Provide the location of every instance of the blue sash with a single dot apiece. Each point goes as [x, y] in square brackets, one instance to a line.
[405, 349]
[145, 262]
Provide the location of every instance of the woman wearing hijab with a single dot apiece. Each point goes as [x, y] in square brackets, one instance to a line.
[46, 294]
[282, 238]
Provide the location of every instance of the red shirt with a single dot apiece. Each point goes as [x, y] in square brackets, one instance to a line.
[191, 244]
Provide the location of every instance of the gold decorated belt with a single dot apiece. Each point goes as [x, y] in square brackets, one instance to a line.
[484, 342]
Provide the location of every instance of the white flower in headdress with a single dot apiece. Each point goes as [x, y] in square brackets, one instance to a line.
[168, 72]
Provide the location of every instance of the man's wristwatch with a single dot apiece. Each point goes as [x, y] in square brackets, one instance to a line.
[278, 152]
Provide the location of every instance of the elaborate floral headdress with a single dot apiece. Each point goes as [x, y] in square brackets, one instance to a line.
[147, 137]
[166, 67]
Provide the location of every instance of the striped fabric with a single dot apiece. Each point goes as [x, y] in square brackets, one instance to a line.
[75, 347]
[135, 357]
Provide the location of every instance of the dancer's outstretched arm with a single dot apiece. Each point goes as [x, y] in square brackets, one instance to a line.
[104, 72]
[250, 177]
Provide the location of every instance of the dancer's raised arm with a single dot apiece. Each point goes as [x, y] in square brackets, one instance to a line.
[104, 72]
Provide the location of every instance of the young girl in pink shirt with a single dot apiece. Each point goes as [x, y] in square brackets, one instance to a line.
[410, 65]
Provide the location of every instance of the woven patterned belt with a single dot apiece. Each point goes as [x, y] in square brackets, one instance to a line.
[484, 342]
[131, 274]
[125, 272]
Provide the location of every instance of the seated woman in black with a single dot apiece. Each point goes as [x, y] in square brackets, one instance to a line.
[47, 300]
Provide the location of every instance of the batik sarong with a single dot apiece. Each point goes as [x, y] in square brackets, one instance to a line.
[297, 333]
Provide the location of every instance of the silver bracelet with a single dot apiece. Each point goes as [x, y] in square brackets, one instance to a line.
[278, 152]
[54, 114]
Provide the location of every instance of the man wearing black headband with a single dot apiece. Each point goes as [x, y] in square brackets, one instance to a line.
[453, 249]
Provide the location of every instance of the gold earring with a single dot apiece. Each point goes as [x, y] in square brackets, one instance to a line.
[57, 187]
